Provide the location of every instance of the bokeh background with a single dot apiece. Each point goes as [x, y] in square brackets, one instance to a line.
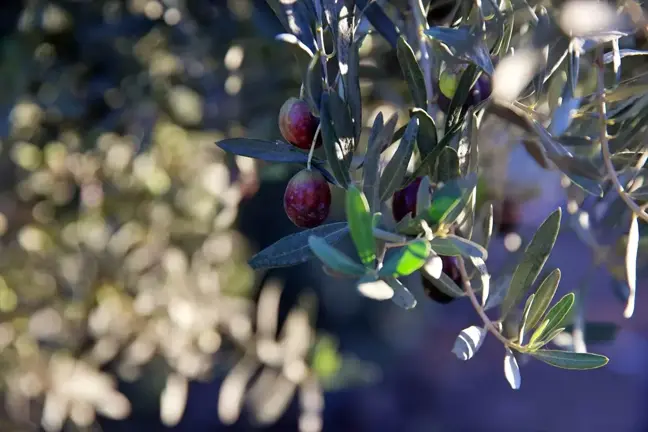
[126, 303]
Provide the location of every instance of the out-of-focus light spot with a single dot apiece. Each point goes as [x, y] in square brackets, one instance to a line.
[114, 98]
[233, 84]
[565, 182]
[512, 242]
[153, 10]
[32, 239]
[25, 114]
[584, 220]
[234, 57]
[295, 371]
[209, 341]
[310, 422]
[8, 298]
[7, 335]
[572, 207]
[242, 9]
[172, 16]
[3, 224]
[55, 19]
[45, 323]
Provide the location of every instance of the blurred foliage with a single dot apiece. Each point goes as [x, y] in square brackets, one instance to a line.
[117, 209]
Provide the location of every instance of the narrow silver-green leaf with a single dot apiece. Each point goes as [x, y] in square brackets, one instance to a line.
[403, 298]
[468, 342]
[571, 360]
[394, 172]
[631, 265]
[343, 126]
[412, 72]
[406, 260]
[427, 139]
[484, 277]
[535, 345]
[512, 370]
[333, 258]
[423, 196]
[371, 165]
[444, 246]
[314, 83]
[483, 236]
[335, 154]
[360, 225]
[557, 314]
[353, 87]
[444, 284]
[534, 258]
[543, 297]
[525, 316]
[376, 289]
[447, 165]
[294, 249]
[533, 342]
[468, 248]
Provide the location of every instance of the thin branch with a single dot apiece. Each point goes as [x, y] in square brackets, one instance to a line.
[490, 326]
[605, 146]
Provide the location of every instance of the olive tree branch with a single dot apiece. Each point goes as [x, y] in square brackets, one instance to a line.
[490, 326]
[605, 146]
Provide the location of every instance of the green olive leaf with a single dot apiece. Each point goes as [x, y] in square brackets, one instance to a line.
[554, 317]
[360, 225]
[402, 296]
[426, 139]
[412, 72]
[534, 258]
[335, 152]
[333, 258]
[543, 297]
[394, 172]
[406, 260]
[570, 360]
[294, 249]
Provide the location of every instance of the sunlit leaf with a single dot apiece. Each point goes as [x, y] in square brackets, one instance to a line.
[335, 153]
[412, 72]
[403, 298]
[333, 258]
[543, 297]
[631, 265]
[468, 342]
[555, 316]
[512, 370]
[534, 258]
[406, 260]
[360, 225]
[294, 249]
[571, 360]
[394, 173]
[376, 289]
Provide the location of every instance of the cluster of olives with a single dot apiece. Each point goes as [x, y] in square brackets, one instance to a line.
[307, 199]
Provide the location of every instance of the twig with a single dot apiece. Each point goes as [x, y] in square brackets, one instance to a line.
[312, 147]
[605, 147]
[490, 326]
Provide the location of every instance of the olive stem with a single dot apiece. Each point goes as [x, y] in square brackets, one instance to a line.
[322, 48]
[605, 146]
[490, 326]
[312, 147]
